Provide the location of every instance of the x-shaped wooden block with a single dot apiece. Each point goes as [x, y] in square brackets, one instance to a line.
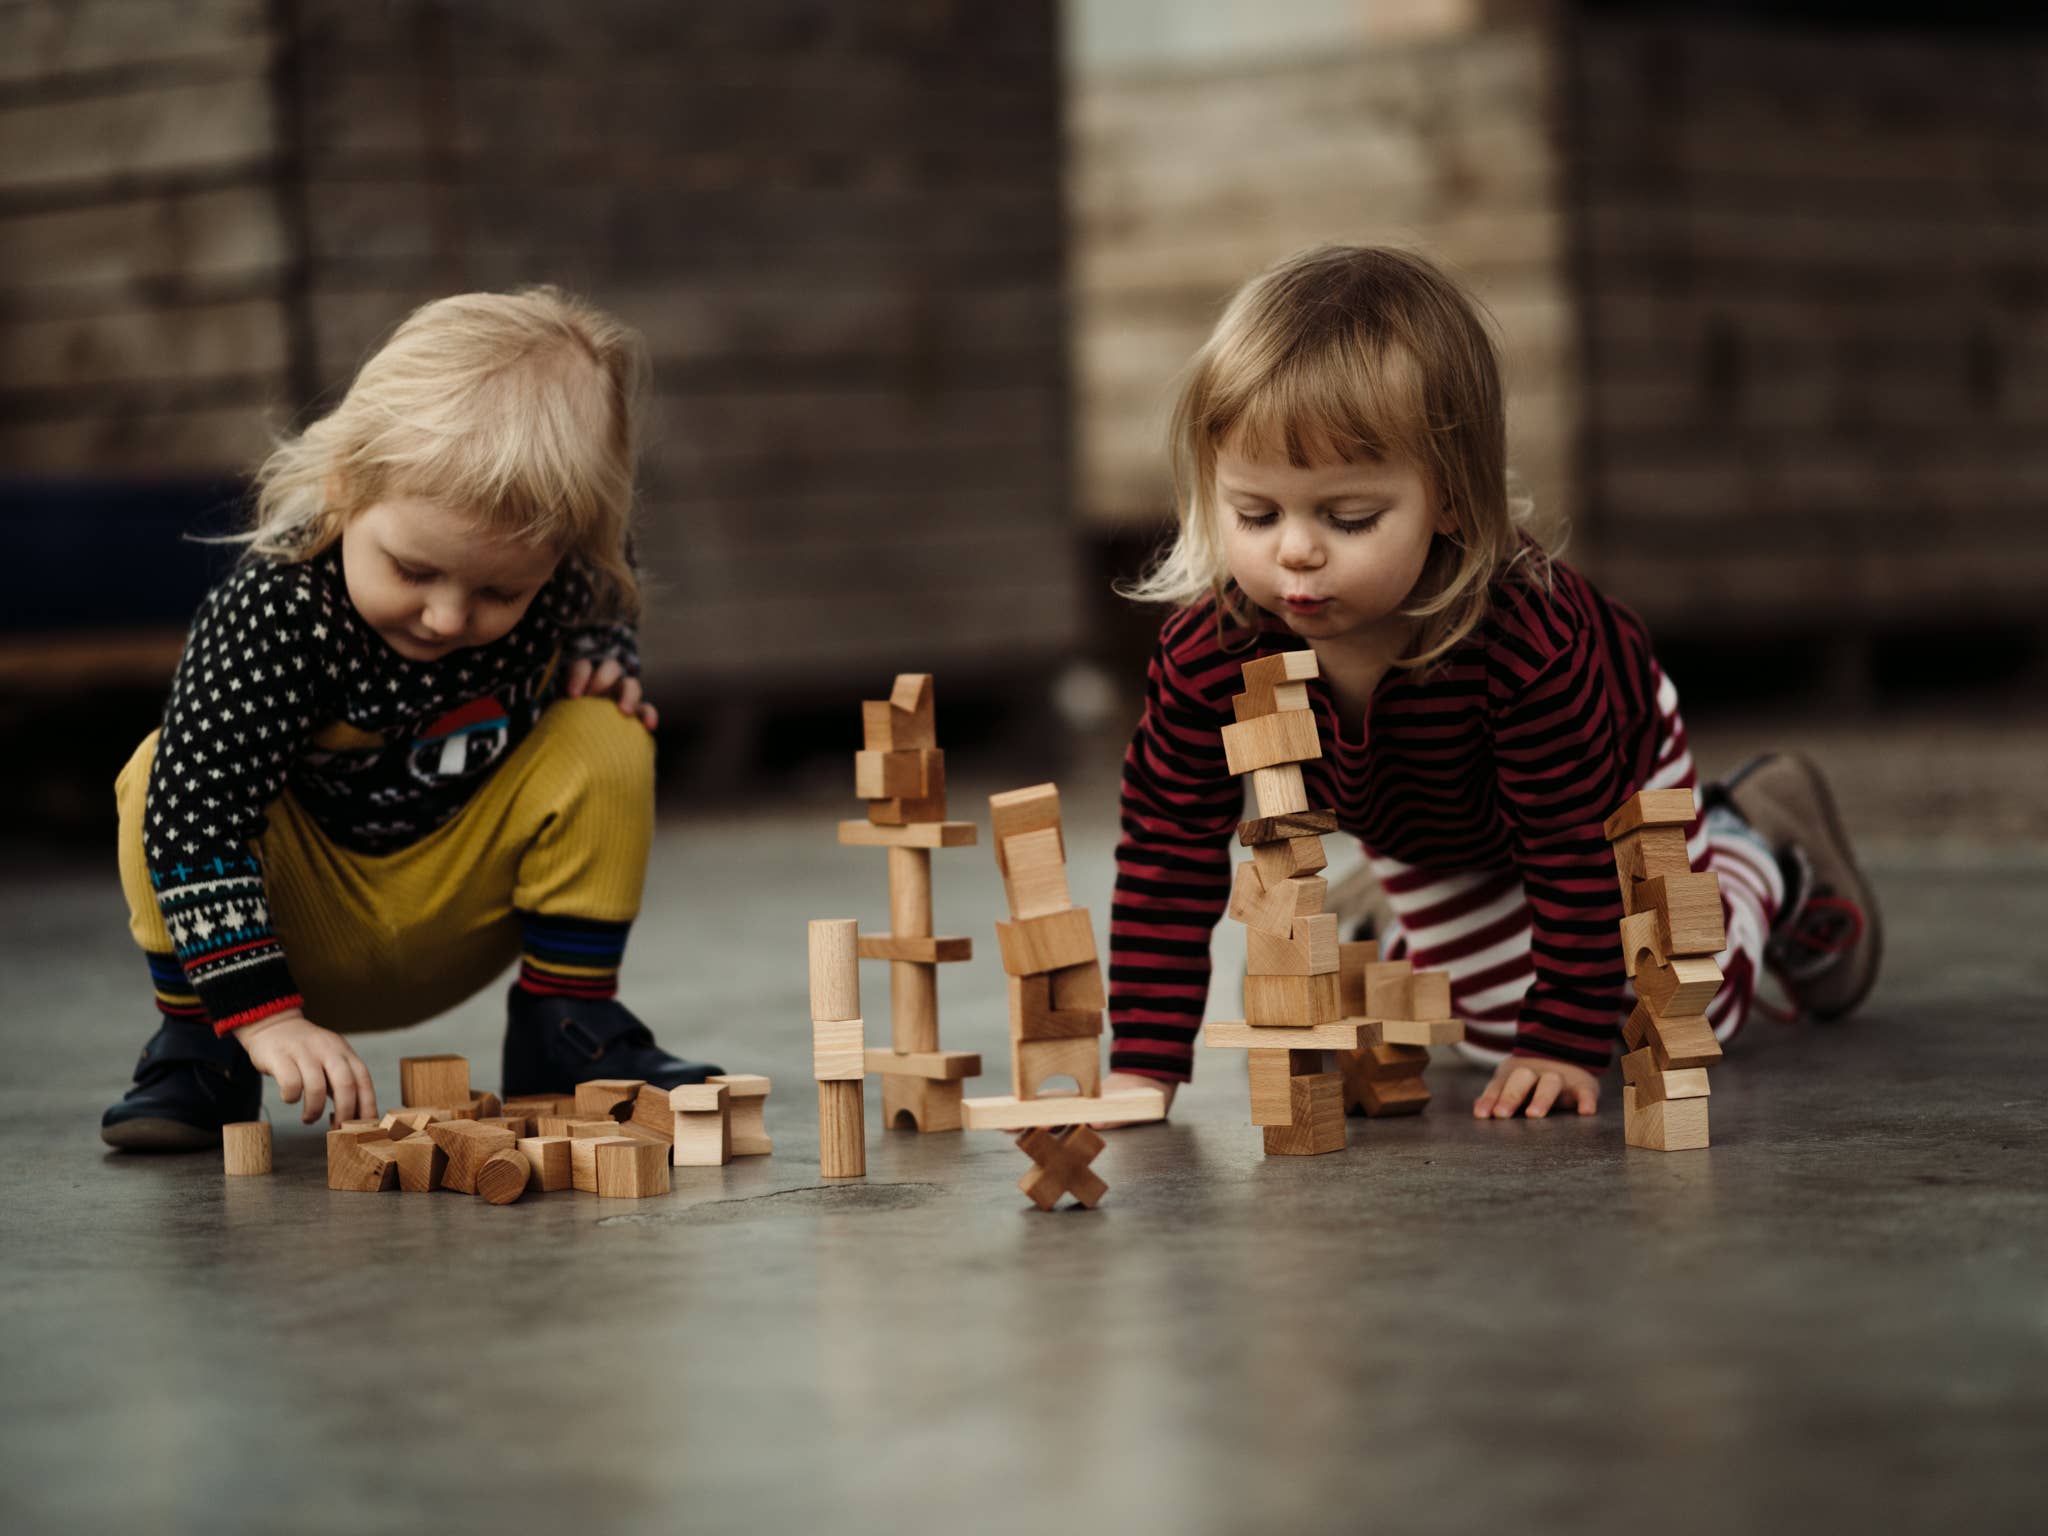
[1062, 1159]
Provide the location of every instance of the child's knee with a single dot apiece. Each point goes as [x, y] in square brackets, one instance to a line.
[613, 751]
[131, 795]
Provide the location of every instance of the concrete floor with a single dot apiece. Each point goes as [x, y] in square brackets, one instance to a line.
[1836, 1318]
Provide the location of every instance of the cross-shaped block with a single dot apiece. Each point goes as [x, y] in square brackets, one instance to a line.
[1061, 1160]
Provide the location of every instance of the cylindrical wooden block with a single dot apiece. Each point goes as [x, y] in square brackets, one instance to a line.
[502, 1179]
[842, 1131]
[910, 893]
[835, 968]
[245, 1146]
[913, 1005]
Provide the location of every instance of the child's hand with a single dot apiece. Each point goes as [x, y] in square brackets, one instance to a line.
[304, 1058]
[1539, 1080]
[1116, 1080]
[608, 680]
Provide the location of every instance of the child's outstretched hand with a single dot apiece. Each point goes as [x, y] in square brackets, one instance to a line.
[1115, 1080]
[608, 680]
[304, 1058]
[1539, 1080]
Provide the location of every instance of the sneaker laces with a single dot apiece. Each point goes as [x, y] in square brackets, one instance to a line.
[1823, 929]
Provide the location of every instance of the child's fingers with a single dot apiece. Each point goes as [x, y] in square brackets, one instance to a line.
[608, 673]
[289, 1083]
[1516, 1089]
[316, 1087]
[341, 1080]
[629, 696]
[1548, 1087]
[366, 1091]
[650, 716]
[579, 678]
[1588, 1096]
[1482, 1107]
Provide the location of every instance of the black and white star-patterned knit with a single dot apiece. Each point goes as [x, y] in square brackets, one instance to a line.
[284, 686]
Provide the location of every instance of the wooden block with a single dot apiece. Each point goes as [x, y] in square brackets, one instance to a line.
[1009, 1113]
[608, 1098]
[518, 1125]
[1675, 1125]
[402, 1123]
[1383, 1098]
[534, 1105]
[702, 1115]
[1310, 950]
[877, 727]
[1276, 682]
[1678, 987]
[936, 1066]
[1687, 911]
[1429, 995]
[421, 1164]
[1389, 989]
[893, 775]
[1303, 825]
[245, 1147]
[1421, 1031]
[1681, 1042]
[923, 834]
[1060, 1162]
[1649, 854]
[913, 711]
[747, 1097]
[1034, 1062]
[1035, 874]
[920, 1104]
[485, 1106]
[1651, 808]
[1652, 1084]
[1382, 1080]
[504, 1176]
[838, 1054]
[1021, 812]
[1639, 941]
[653, 1112]
[1316, 1120]
[1032, 1016]
[357, 1125]
[1352, 959]
[1382, 1062]
[923, 951]
[1279, 791]
[835, 969]
[548, 1158]
[1283, 861]
[1292, 1002]
[1275, 906]
[1271, 740]
[1078, 988]
[1237, 1035]
[1272, 1073]
[628, 1169]
[927, 807]
[435, 1082]
[360, 1164]
[583, 1158]
[469, 1144]
[1047, 943]
[461, 1111]
[842, 1136]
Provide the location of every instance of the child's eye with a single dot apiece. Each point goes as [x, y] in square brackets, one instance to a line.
[1356, 524]
[407, 574]
[504, 597]
[1248, 519]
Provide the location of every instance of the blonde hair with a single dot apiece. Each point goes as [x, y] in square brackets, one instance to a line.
[518, 409]
[1364, 352]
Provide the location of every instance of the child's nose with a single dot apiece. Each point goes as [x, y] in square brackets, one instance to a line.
[444, 618]
[1298, 546]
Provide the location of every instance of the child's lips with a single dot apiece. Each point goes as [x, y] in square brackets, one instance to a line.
[1305, 604]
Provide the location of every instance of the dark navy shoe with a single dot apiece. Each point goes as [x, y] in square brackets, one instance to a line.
[554, 1043]
[188, 1084]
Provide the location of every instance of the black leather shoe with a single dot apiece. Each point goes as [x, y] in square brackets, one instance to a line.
[188, 1084]
[553, 1043]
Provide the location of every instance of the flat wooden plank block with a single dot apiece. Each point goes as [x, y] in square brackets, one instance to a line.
[1279, 791]
[1236, 1035]
[1047, 943]
[1651, 808]
[938, 1066]
[1009, 1113]
[1270, 740]
[433, 1082]
[1421, 1031]
[1687, 912]
[919, 834]
[1280, 829]
[838, 1051]
[944, 950]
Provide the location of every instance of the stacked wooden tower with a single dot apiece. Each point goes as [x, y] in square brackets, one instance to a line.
[901, 773]
[1671, 929]
[1306, 994]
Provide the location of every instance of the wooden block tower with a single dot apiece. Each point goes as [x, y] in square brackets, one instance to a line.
[1305, 993]
[1671, 929]
[1056, 1003]
[901, 773]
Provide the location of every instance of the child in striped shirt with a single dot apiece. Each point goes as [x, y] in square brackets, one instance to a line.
[1340, 455]
[406, 744]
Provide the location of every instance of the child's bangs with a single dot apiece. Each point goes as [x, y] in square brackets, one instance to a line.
[1313, 410]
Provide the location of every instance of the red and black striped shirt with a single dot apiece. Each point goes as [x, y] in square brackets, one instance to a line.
[1510, 755]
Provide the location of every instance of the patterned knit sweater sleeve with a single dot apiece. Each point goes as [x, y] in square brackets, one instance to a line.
[246, 696]
[1180, 805]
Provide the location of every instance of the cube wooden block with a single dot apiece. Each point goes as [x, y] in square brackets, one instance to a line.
[1679, 1043]
[703, 1126]
[1034, 1062]
[1687, 911]
[891, 775]
[1389, 989]
[1302, 825]
[1310, 950]
[361, 1163]
[245, 1147]
[1272, 1076]
[1275, 906]
[1284, 861]
[1649, 854]
[1279, 791]
[1353, 956]
[548, 1158]
[921, 1103]
[1669, 1125]
[583, 1158]
[1316, 1120]
[1077, 988]
[608, 1098]
[1651, 808]
[1292, 1001]
[1035, 874]
[1429, 995]
[927, 805]
[631, 1170]
[469, 1145]
[434, 1082]
[1047, 943]
[421, 1164]
[838, 1053]
[1033, 1017]
[1653, 1084]
[503, 1177]
[1267, 741]
[1276, 682]
[1678, 987]
[1021, 812]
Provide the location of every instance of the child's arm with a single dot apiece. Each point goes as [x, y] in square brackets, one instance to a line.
[1180, 805]
[603, 659]
[1561, 773]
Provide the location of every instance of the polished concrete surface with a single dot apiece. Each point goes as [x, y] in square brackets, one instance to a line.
[1836, 1318]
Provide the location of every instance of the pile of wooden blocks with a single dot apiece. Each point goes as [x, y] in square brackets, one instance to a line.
[901, 773]
[1671, 929]
[1305, 993]
[613, 1138]
[1056, 1003]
